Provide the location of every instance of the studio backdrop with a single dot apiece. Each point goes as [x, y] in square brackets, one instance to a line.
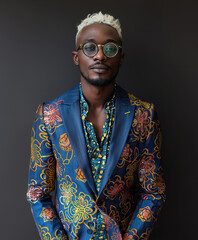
[160, 66]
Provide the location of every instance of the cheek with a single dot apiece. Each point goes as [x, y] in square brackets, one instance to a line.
[83, 67]
[84, 63]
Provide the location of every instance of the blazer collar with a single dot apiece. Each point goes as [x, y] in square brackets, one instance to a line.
[124, 113]
[70, 111]
[71, 96]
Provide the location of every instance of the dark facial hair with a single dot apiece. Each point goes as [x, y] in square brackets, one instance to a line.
[100, 82]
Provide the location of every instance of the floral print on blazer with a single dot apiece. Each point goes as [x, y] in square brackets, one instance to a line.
[132, 188]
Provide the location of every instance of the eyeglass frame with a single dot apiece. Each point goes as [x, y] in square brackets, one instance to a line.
[98, 45]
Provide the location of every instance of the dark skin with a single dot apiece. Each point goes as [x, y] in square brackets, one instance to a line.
[98, 68]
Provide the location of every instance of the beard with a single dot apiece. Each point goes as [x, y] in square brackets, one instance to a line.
[100, 82]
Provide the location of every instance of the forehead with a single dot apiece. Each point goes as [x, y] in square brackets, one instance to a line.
[99, 32]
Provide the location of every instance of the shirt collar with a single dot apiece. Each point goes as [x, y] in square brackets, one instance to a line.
[85, 107]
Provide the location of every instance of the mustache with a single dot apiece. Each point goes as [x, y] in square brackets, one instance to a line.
[99, 65]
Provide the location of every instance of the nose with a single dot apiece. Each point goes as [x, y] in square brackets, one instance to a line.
[100, 55]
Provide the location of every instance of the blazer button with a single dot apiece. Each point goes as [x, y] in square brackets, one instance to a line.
[89, 231]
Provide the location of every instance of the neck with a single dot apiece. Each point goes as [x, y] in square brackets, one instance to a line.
[96, 96]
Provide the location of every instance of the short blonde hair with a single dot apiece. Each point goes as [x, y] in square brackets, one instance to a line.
[100, 18]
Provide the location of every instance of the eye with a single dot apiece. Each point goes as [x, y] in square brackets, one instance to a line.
[110, 49]
[89, 47]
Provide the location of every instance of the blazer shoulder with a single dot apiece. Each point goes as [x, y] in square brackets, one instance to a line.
[140, 103]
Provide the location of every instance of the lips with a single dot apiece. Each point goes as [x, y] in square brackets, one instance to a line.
[99, 68]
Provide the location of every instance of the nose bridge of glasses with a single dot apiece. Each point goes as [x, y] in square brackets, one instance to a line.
[100, 45]
[100, 50]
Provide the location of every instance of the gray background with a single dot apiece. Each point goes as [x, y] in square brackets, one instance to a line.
[160, 42]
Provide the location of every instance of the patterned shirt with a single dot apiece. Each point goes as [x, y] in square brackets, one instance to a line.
[98, 152]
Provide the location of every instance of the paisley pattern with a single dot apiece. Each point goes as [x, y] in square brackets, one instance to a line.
[97, 152]
[132, 189]
[47, 214]
[64, 142]
[145, 214]
[80, 175]
[134, 236]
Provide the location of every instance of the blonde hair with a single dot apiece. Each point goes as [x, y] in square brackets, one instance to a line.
[100, 18]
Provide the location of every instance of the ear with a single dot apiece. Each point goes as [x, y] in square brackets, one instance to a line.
[75, 57]
[122, 58]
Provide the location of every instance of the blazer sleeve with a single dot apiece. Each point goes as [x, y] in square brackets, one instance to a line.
[42, 182]
[151, 186]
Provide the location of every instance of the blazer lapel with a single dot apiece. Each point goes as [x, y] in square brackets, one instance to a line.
[70, 111]
[124, 113]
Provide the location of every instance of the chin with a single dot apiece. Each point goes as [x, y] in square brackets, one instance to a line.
[99, 82]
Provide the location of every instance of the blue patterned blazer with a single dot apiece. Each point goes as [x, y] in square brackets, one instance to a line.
[132, 188]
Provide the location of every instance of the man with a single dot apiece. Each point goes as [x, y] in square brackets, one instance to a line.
[100, 147]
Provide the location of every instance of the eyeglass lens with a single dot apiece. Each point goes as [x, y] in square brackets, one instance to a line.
[110, 49]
